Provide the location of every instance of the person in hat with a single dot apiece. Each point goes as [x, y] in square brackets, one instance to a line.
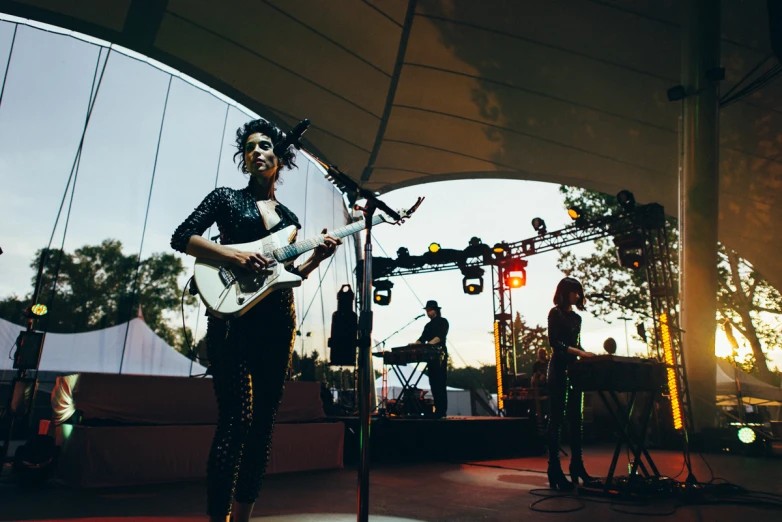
[434, 334]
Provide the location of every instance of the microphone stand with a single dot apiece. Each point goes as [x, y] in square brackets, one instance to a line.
[355, 192]
[383, 342]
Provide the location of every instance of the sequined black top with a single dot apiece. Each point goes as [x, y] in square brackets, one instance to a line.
[237, 216]
[239, 221]
[564, 330]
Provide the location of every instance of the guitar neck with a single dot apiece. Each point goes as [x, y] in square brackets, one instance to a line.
[296, 249]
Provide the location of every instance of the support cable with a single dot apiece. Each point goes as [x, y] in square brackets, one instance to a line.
[94, 88]
[144, 229]
[193, 353]
[8, 64]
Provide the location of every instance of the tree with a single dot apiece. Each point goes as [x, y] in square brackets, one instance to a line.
[745, 298]
[98, 286]
[469, 378]
[529, 339]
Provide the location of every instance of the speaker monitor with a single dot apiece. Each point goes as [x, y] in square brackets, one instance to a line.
[28, 350]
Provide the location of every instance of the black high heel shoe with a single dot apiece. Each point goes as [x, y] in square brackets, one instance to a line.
[557, 479]
[578, 472]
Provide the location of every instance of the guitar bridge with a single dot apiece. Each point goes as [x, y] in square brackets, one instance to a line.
[226, 277]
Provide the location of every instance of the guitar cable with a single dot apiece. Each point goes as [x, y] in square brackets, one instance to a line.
[193, 291]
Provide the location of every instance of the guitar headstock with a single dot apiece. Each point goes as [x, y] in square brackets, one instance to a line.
[404, 215]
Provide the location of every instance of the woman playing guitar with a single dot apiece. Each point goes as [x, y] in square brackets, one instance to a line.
[248, 355]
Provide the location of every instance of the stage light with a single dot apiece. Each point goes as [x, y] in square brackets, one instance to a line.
[626, 200]
[629, 251]
[670, 362]
[472, 288]
[382, 295]
[39, 309]
[498, 365]
[402, 252]
[476, 248]
[577, 215]
[472, 283]
[747, 435]
[676, 93]
[630, 260]
[539, 225]
[516, 281]
[500, 251]
[516, 273]
[434, 248]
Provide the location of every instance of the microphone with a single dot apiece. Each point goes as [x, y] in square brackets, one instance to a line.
[292, 138]
[596, 296]
[420, 316]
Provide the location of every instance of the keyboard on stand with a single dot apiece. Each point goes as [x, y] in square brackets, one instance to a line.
[409, 401]
[402, 355]
[619, 374]
[609, 375]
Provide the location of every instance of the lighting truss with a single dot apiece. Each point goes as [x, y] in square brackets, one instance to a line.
[645, 220]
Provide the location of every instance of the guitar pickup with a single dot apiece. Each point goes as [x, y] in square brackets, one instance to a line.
[226, 277]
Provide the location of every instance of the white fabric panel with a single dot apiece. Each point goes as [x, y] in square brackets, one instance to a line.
[100, 351]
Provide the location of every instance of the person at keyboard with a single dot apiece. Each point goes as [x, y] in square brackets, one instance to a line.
[540, 368]
[434, 334]
[564, 334]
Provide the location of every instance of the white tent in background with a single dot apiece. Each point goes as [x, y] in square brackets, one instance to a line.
[101, 351]
[753, 390]
[459, 401]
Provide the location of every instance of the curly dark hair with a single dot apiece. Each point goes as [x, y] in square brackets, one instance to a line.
[562, 295]
[267, 128]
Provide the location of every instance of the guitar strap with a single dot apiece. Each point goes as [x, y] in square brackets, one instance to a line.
[288, 217]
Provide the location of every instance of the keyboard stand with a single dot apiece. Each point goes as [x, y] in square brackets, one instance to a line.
[634, 440]
[406, 385]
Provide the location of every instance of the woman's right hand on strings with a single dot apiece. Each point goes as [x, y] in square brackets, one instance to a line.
[252, 261]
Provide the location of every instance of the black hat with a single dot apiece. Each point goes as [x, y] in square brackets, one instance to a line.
[431, 305]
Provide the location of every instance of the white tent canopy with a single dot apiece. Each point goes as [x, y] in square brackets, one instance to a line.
[408, 92]
[101, 351]
[395, 384]
[459, 401]
[753, 390]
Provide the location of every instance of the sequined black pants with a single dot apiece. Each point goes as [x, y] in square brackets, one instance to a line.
[249, 359]
[564, 402]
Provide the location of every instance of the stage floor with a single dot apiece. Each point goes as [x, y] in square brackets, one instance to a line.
[497, 490]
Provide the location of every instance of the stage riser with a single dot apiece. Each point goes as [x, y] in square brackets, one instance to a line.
[130, 455]
[476, 438]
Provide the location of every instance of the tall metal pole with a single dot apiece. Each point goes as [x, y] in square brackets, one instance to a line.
[365, 383]
[699, 200]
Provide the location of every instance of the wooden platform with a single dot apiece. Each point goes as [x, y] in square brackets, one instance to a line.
[449, 439]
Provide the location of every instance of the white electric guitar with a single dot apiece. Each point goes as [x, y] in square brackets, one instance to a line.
[230, 291]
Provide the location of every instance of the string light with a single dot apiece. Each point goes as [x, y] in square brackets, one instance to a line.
[498, 357]
[670, 362]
